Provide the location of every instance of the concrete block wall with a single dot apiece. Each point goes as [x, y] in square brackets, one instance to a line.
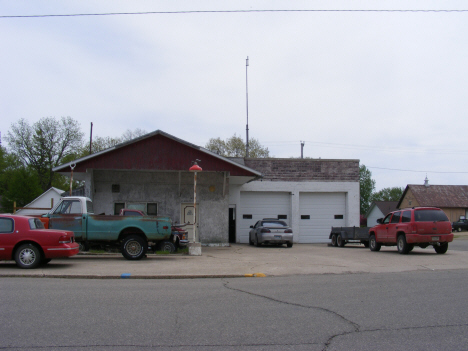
[169, 190]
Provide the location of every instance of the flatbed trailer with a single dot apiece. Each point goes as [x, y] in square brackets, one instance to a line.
[340, 236]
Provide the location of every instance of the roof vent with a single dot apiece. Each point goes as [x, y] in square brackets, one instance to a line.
[426, 182]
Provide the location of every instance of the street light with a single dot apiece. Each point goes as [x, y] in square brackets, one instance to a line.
[195, 248]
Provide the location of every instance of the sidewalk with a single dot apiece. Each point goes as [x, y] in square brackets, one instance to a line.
[242, 260]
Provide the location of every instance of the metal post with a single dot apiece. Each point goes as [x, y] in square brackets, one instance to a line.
[247, 105]
[195, 207]
[72, 166]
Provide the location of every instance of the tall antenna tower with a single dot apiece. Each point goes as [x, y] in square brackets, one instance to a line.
[247, 106]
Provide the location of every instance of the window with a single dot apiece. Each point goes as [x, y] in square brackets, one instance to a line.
[247, 216]
[89, 207]
[6, 225]
[282, 216]
[35, 223]
[118, 206]
[387, 219]
[430, 216]
[116, 188]
[396, 217]
[339, 216]
[69, 207]
[152, 209]
[305, 216]
[406, 217]
[274, 224]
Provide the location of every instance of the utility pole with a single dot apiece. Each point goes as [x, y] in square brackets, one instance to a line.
[247, 105]
[91, 139]
[302, 149]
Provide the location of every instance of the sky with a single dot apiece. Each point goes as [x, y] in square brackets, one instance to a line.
[388, 88]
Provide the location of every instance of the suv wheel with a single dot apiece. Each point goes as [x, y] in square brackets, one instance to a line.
[402, 246]
[373, 244]
[441, 248]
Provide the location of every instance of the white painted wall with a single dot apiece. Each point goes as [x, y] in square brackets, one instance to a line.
[374, 215]
[351, 190]
[42, 201]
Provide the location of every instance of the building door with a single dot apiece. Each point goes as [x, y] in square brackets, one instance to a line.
[232, 224]
[187, 217]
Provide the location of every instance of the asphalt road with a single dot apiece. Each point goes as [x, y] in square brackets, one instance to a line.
[418, 310]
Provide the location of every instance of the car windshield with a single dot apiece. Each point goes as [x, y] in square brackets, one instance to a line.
[274, 224]
[430, 216]
[35, 223]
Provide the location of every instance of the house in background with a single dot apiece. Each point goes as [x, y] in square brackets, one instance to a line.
[452, 199]
[380, 209]
[152, 173]
[45, 201]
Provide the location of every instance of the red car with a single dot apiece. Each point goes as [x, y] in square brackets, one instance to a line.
[25, 240]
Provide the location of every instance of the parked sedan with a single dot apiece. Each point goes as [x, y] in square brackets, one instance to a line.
[24, 240]
[270, 231]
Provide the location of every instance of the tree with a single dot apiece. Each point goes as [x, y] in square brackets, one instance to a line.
[45, 144]
[366, 187]
[17, 182]
[235, 147]
[388, 194]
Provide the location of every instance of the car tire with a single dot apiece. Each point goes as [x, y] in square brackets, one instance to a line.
[250, 241]
[134, 247]
[333, 240]
[459, 229]
[441, 248]
[28, 256]
[373, 244]
[44, 261]
[166, 246]
[289, 244]
[339, 241]
[257, 243]
[402, 245]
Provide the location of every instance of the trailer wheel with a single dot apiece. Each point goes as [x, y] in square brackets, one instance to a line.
[134, 247]
[333, 240]
[339, 241]
[373, 244]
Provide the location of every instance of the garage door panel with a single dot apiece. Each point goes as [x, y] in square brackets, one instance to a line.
[259, 205]
[323, 211]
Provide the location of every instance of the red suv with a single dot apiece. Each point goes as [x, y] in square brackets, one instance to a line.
[410, 227]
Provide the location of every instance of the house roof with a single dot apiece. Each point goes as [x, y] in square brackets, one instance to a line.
[384, 206]
[157, 151]
[446, 196]
[44, 194]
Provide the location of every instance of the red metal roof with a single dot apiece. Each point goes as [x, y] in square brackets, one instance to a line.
[158, 151]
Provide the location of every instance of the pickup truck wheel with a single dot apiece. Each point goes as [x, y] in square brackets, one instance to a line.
[333, 240]
[402, 245]
[167, 246]
[373, 244]
[28, 256]
[134, 247]
[459, 229]
[339, 241]
[441, 248]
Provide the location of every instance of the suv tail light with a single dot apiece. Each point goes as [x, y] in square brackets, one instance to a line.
[264, 230]
[414, 228]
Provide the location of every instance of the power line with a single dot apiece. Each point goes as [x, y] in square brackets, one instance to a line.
[409, 170]
[220, 11]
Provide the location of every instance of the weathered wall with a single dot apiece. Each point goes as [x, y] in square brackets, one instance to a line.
[168, 190]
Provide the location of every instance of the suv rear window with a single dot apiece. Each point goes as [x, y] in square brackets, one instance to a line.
[430, 216]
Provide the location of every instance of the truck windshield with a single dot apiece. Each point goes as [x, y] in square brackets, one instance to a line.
[89, 207]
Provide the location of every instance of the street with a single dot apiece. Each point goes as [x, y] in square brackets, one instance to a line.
[417, 310]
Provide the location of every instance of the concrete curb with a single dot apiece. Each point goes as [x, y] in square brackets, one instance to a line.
[133, 276]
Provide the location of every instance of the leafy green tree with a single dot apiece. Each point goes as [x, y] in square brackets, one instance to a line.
[17, 182]
[388, 194]
[366, 187]
[43, 145]
[235, 147]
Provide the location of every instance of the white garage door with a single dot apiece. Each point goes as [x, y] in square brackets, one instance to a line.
[256, 205]
[318, 213]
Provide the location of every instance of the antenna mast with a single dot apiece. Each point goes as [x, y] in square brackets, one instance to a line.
[247, 105]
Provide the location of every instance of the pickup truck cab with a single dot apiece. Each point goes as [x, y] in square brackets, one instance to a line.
[462, 224]
[410, 227]
[132, 235]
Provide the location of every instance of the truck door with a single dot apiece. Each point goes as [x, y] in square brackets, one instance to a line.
[393, 227]
[68, 216]
[381, 230]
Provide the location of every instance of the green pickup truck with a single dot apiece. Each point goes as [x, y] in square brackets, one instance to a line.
[132, 235]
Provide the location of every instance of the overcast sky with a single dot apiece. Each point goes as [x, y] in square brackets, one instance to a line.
[387, 88]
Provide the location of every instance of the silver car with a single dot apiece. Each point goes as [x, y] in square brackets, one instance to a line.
[270, 231]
